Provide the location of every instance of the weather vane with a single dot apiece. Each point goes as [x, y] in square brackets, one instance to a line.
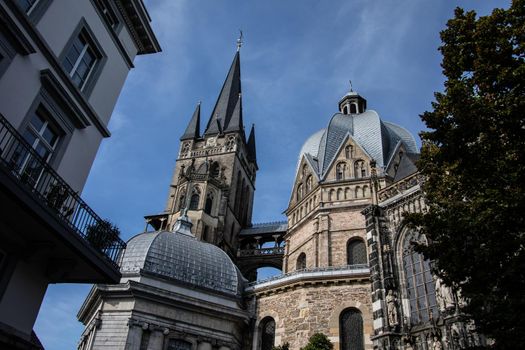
[239, 41]
[350, 81]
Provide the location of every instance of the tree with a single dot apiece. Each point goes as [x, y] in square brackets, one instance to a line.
[318, 341]
[102, 234]
[473, 157]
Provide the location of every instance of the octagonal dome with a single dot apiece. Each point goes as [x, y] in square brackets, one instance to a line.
[182, 258]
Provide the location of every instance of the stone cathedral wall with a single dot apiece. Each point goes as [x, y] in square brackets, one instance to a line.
[303, 310]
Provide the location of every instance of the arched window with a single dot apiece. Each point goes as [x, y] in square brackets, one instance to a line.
[356, 252]
[331, 195]
[351, 330]
[301, 262]
[194, 200]
[340, 171]
[178, 344]
[419, 282]
[304, 171]
[353, 109]
[339, 194]
[214, 169]
[309, 183]
[347, 193]
[348, 151]
[345, 110]
[267, 333]
[357, 192]
[182, 202]
[360, 169]
[209, 203]
[299, 192]
[365, 191]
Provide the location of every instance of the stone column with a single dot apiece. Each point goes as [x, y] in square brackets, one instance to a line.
[156, 340]
[134, 337]
[204, 346]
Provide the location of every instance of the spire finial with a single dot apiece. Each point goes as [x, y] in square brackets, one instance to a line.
[239, 41]
[351, 89]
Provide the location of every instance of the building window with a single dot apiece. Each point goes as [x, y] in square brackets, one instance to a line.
[353, 109]
[420, 284]
[108, 13]
[301, 262]
[299, 192]
[309, 183]
[194, 199]
[360, 169]
[209, 203]
[356, 252]
[82, 58]
[34, 9]
[27, 5]
[340, 171]
[351, 330]
[348, 152]
[178, 344]
[267, 333]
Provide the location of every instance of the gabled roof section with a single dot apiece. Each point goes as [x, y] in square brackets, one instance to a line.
[406, 167]
[194, 126]
[227, 101]
[252, 153]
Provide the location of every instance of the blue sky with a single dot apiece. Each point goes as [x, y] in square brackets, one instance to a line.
[296, 61]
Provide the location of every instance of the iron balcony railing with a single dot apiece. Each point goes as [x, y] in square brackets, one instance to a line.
[355, 268]
[35, 174]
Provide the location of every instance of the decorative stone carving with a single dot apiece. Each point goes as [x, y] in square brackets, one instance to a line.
[444, 296]
[391, 305]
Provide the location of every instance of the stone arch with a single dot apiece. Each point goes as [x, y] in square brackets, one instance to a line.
[357, 192]
[348, 193]
[331, 195]
[266, 337]
[339, 194]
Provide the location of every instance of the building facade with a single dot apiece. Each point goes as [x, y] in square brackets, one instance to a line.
[62, 67]
[348, 265]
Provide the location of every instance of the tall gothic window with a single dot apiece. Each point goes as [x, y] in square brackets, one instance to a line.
[419, 282]
[301, 262]
[209, 203]
[356, 252]
[194, 200]
[214, 169]
[267, 333]
[351, 330]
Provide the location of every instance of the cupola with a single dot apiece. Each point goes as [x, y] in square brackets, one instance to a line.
[352, 103]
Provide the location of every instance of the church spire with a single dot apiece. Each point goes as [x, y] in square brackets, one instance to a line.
[194, 127]
[228, 99]
[252, 154]
[235, 123]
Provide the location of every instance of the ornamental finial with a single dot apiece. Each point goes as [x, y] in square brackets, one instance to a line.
[351, 89]
[239, 41]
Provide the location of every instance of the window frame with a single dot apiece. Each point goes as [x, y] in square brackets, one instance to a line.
[92, 77]
[97, 4]
[7, 53]
[36, 10]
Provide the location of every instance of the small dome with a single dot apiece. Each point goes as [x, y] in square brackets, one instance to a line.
[182, 258]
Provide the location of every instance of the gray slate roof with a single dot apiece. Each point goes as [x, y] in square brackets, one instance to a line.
[182, 258]
[377, 138]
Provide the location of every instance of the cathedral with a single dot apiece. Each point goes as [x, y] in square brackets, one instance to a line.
[348, 265]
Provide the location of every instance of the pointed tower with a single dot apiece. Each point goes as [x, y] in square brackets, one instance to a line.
[214, 177]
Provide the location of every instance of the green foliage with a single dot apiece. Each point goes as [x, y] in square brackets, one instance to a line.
[102, 234]
[473, 157]
[318, 341]
[285, 346]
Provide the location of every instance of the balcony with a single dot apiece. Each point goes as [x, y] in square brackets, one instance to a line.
[43, 210]
[358, 271]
